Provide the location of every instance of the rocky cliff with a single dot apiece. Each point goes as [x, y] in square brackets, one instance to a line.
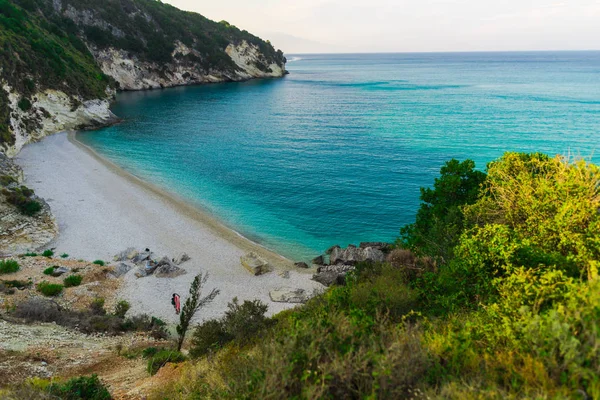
[61, 61]
[26, 222]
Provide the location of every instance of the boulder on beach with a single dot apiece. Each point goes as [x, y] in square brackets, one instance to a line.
[289, 295]
[141, 257]
[165, 268]
[181, 259]
[126, 255]
[121, 269]
[254, 263]
[301, 265]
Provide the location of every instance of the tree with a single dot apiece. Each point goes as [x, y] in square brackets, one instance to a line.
[192, 304]
[440, 219]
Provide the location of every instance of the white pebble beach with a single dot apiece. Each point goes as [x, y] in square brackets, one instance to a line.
[102, 210]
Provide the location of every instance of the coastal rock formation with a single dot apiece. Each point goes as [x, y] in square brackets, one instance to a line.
[19, 232]
[341, 261]
[332, 274]
[92, 49]
[352, 255]
[53, 111]
[133, 73]
[255, 264]
[289, 295]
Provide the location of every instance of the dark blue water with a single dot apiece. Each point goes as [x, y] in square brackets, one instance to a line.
[335, 153]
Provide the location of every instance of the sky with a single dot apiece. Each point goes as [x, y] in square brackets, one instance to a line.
[326, 26]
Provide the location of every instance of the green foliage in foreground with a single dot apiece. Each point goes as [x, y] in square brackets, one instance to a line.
[81, 388]
[99, 262]
[512, 311]
[8, 266]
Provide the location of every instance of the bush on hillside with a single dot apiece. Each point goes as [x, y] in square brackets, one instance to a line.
[241, 323]
[9, 266]
[21, 198]
[84, 387]
[49, 289]
[73, 280]
[121, 308]
[510, 312]
[160, 359]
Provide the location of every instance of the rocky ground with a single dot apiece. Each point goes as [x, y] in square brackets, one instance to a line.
[47, 350]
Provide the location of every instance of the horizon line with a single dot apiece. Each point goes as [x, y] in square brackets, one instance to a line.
[444, 52]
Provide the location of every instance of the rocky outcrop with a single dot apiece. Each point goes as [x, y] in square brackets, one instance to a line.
[133, 73]
[53, 111]
[20, 233]
[332, 274]
[353, 255]
[341, 261]
[255, 264]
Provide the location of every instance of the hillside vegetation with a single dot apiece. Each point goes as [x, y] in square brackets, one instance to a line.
[492, 293]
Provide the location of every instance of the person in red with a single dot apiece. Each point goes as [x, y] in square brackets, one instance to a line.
[176, 301]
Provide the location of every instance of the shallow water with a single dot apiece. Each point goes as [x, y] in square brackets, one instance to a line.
[335, 153]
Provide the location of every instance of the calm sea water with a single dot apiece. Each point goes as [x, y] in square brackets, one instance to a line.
[335, 153]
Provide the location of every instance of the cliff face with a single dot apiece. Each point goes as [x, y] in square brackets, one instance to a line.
[133, 73]
[21, 232]
[61, 61]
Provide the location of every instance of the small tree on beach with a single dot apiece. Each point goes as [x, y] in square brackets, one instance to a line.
[192, 304]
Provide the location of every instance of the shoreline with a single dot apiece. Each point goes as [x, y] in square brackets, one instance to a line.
[199, 215]
[102, 210]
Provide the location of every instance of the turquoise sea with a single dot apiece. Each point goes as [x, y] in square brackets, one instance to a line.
[335, 152]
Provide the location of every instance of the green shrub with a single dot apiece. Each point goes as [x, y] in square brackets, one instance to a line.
[97, 306]
[64, 255]
[49, 289]
[8, 266]
[209, 337]
[151, 351]
[24, 104]
[48, 253]
[99, 262]
[440, 221]
[30, 255]
[241, 323]
[73, 280]
[121, 308]
[90, 388]
[20, 198]
[6, 180]
[49, 270]
[160, 359]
